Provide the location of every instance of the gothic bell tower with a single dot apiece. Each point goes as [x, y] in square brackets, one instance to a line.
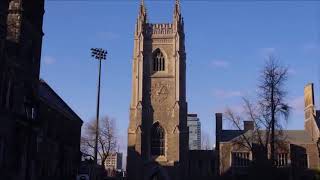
[157, 133]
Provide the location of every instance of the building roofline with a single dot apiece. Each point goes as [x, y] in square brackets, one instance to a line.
[192, 115]
[68, 111]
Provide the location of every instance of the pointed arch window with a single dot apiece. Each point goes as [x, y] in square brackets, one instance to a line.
[158, 61]
[157, 140]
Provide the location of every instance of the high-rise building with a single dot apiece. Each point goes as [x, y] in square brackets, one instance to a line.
[194, 132]
[114, 161]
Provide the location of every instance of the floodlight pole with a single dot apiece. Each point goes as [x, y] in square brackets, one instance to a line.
[100, 55]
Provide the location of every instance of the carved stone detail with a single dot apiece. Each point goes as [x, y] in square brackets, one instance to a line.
[160, 92]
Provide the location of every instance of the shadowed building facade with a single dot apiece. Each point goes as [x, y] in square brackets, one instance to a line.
[295, 155]
[20, 51]
[158, 133]
[39, 133]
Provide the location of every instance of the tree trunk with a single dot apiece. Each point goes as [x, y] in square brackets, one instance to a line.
[103, 162]
[272, 126]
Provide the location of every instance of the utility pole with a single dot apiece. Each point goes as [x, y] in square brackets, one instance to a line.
[98, 54]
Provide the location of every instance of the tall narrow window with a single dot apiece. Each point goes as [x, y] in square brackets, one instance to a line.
[9, 95]
[158, 61]
[2, 145]
[155, 177]
[282, 159]
[157, 140]
[301, 161]
[240, 159]
[3, 94]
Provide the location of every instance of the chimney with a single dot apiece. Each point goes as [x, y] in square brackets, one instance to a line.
[310, 124]
[218, 139]
[248, 125]
[309, 107]
[218, 129]
[218, 122]
[308, 96]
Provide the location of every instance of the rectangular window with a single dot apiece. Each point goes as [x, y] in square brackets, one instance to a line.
[1, 152]
[301, 161]
[240, 159]
[213, 166]
[33, 113]
[282, 159]
[9, 95]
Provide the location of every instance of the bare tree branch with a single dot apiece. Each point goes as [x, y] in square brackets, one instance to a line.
[268, 112]
[107, 140]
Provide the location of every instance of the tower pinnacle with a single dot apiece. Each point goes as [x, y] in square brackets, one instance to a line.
[142, 8]
[177, 8]
[142, 17]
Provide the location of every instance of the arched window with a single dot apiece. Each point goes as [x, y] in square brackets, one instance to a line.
[157, 140]
[158, 61]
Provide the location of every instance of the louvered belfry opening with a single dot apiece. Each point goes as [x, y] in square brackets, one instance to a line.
[158, 61]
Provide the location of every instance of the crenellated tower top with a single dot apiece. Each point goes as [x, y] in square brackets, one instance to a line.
[151, 29]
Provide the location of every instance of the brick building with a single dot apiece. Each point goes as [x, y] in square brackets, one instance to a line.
[297, 154]
[58, 138]
[39, 133]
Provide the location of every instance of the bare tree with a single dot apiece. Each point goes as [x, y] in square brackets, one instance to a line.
[272, 97]
[268, 112]
[107, 140]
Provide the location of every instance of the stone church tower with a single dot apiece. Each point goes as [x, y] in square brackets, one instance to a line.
[157, 133]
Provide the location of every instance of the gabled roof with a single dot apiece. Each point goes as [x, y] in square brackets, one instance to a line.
[293, 136]
[49, 96]
[229, 135]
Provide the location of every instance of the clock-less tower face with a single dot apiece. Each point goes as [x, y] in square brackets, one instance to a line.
[157, 133]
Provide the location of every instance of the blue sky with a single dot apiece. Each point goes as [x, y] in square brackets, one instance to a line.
[226, 45]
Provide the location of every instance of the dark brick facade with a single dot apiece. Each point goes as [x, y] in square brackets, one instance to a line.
[201, 164]
[39, 133]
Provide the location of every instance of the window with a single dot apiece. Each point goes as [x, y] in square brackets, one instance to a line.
[240, 159]
[157, 140]
[213, 166]
[155, 177]
[158, 61]
[7, 94]
[301, 161]
[1, 151]
[200, 164]
[281, 159]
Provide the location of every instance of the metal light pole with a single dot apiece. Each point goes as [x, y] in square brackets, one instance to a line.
[99, 54]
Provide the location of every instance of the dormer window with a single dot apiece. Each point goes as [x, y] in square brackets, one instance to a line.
[158, 61]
